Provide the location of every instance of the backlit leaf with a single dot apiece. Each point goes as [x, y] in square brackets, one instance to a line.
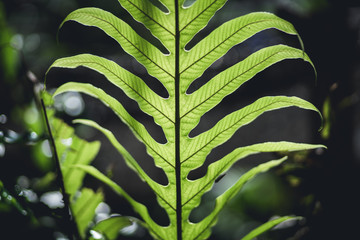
[175, 25]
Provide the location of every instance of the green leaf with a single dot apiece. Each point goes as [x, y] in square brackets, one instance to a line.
[196, 17]
[138, 207]
[267, 226]
[132, 85]
[195, 189]
[84, 208]
[159, 190]
[159, 23]
[72, 150]
[222, 39]
[111, 226]
[158, 151]
[225, 83]
[200, 146]
[175, 25]
[201, 230]
[158, 64]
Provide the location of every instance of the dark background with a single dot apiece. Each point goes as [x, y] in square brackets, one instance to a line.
[321, 185]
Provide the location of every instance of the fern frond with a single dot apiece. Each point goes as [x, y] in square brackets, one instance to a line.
[175, 25]
[72, 150]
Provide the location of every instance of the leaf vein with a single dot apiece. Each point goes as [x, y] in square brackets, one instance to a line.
[157, 109]
[139, 50]
[151, 18]
[197, 16]
[220, 44]
[226, 129]
[216, 92]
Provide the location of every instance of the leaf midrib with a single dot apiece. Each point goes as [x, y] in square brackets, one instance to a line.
[178, 178]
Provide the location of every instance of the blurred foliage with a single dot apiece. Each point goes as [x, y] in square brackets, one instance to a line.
[8, 55]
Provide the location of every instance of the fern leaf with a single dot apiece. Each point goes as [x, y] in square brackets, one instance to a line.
[133, 86]
[195, 189]
[138, 207]
[131, 162]
[175, 25]
[201, 145]
[158, 151]
[160, 23]
[157, 63]
[232, 78]
[196, 17]
[231, 33]
[72, 150]
[267, 226]
[201, 230]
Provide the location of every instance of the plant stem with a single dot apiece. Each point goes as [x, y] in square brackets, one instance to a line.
[72, 230]
[177, 125]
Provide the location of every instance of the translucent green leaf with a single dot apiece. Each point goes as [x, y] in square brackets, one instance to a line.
[158, 189]
[201, 230]
[84, 208]
[161, 24]
[158, 64]
[133, 86]
[138, 207]
[174, 25]
[267, 226]
[155, 149]
[111, 226]
[211, 94]
[200, 146]
[72, 150]
[222, 39]
[195, 189]
[196, 17]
